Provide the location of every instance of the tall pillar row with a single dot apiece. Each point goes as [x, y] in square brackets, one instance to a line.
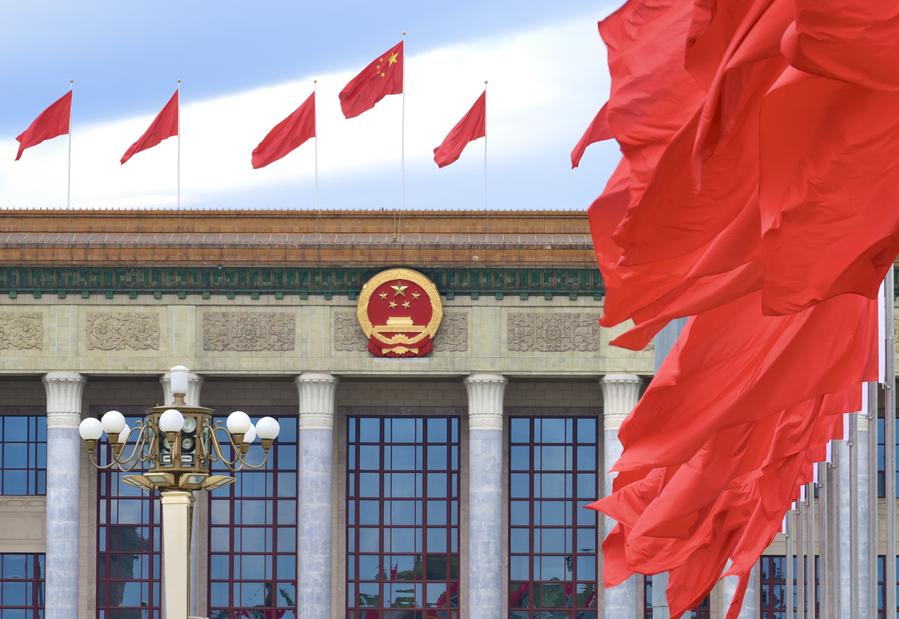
[317, 393]
[620, 393]
[191, 398]
[485, 491]
[63, 390]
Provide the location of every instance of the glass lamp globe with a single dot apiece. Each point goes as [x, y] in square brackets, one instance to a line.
[171, 421]
[124, 434]
[268, 428]
[238, 422]
[90, 429]
[178, 378]
[113, 422]
[250, 436]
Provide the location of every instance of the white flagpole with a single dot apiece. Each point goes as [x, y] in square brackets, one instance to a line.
[485, 146]
[403, 134]
[318, 208]
[69, 173]
[179, 145]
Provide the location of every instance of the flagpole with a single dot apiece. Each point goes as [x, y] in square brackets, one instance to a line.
[179, 145]
[403, 134]
[69, 173]
[318, 208]
[485, 145]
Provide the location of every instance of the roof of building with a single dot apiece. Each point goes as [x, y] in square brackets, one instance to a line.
[295, 238]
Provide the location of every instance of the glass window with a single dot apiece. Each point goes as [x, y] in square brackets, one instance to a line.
[703, 611]
[881, 452]
[402, 517]
[252, 534]
[881, 590]
[129, 538]
[23, 455]
[22, 585]
[552, 536]
[772, 587]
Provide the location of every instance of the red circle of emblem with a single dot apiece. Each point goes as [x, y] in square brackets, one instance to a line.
[399, 311]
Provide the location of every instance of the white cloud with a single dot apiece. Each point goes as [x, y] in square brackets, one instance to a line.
[545, 85]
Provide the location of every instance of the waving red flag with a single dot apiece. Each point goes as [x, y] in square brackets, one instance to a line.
[52, 122]
[165, 125]
[597, 131]
[287, 135]
[472, 126]
[382, 77]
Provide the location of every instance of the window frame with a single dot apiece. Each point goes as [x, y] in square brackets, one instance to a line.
[285, 415]
[574, 501]
[353, 498]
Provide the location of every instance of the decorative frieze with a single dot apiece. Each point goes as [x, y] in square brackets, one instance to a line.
[348, 335]
[451, 337]
[249, 331]
[122, 331]
[557, 332]
[21, 331]
[453, 333]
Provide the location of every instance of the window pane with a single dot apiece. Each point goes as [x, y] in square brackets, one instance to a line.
[405, 560]
[551, 546]
[128, 541]
[23, 455]
[253, 572]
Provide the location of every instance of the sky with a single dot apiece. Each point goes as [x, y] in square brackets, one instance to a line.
[245, 66]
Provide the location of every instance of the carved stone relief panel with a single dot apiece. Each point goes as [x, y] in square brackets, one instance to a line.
[249, 331]
[560, 332]
[122, 331]
[453, 333]
[348, 335]
[21, 331]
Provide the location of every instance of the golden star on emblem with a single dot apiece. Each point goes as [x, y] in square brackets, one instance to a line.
[399, 289]
[383, 295]
[392, 304]
[415, 295]
[406, 304]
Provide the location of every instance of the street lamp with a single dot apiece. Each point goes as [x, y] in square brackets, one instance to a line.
[178, 444]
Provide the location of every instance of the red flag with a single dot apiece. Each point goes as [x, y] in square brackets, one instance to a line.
[471, 127]
[597, 131]
[52, 122]
[165, 125]
[384, 76]
[287, 135]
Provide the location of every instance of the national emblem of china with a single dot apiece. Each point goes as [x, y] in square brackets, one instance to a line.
[399, 311]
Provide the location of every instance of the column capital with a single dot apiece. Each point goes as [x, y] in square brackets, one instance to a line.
[194, 386]
[317, 392]
[620, 393]
[485, 401]
[63, 391]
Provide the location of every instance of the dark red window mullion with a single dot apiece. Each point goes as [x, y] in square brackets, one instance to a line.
[532, 503]
[383, 586]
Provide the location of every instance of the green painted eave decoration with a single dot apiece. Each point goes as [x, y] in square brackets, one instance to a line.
[256, 281]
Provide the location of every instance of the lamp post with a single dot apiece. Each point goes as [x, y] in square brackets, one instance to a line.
[178, 444]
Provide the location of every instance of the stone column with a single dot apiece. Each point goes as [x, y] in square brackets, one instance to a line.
[620, 393]
[316, 429]
[750, 608]
[865, 483]
[191, 398]
[485, 494]
[844, 529]
[64, 391]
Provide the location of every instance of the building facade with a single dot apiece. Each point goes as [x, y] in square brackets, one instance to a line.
[444, 486]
